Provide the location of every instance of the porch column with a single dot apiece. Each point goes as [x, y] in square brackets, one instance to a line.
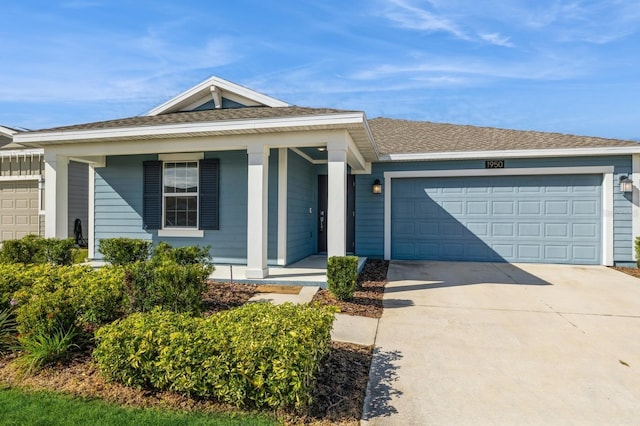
[337, 200]
[257, 209]
[56, 195]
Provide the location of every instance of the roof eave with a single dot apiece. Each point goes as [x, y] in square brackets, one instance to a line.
[186, 129]
[223, 84]
[521, 153]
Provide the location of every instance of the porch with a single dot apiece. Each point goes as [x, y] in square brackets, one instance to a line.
[310, 271]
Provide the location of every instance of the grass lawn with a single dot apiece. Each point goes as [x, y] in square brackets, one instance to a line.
[44, 408]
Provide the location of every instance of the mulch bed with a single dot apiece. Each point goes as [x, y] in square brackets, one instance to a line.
[341, 385]
[634, 272]
[367, 299]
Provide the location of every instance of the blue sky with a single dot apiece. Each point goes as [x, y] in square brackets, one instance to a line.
[568, 66]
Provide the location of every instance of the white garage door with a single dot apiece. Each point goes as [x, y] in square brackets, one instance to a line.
[18, 209]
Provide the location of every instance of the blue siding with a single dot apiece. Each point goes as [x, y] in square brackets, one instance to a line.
[370, 207]
[118, 199]
[302, 189]
[118, 205]
[226, 103]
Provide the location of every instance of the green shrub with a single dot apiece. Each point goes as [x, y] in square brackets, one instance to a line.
[66, 297]
[24, 250]
[182, 255]
[100, 296]
[49, 303]
[79, 255]
[11, 280]
[637, 247]
[41, 349]
[122, 251]
[342, 275]
[8, 331]
[34, 249]
[174, 287]
[260, 355]
[58, 252]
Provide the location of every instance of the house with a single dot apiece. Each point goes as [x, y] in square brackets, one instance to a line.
[268, 183]
[22, 190]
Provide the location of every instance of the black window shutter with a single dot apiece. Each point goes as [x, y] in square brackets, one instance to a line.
[208, 191]
[152, 194]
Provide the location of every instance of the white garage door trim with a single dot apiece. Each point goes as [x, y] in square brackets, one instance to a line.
[607, 195]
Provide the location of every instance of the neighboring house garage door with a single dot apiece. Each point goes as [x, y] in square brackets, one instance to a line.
[546, 219]
[18, 209]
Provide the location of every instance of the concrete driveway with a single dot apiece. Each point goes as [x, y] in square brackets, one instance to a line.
[492, 343]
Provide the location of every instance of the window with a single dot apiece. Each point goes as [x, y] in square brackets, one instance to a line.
[180, 195]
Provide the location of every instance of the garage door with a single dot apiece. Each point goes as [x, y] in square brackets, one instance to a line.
[550, 219]
[18, 209]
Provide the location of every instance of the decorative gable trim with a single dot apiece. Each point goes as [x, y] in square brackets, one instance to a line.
[209, 90]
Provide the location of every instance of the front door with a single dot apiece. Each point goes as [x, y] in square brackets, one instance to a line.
[322, 213]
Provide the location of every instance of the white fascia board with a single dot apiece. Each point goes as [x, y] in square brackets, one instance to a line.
[516, 153]
[223, 84]
[8, 153]
[189, 128]
[7, 132]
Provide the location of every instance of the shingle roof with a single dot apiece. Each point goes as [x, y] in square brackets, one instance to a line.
[407, 137]
[247, 113]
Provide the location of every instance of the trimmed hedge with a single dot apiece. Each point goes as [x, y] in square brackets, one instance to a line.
[167, 284]
[181, 255]
[34, 249]
[122, 251]
[256, 355]
[342, 276]
[49, 298]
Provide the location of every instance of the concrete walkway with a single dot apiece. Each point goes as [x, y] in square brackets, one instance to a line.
[500, 344]
[346, 328]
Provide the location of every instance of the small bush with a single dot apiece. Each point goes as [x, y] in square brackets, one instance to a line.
[11, 279]
[342, 275]
[174, 287]
[123, 251]
[637, 247]
[8, 331]
[49, 303]
[259, 355]
[52, 298]
[34, 249]
[41, 349]
[182, 255]
[79, 255]
[57, 252]
[101, 296]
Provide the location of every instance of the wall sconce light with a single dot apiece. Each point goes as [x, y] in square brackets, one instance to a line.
[377, 187]
[626, 184]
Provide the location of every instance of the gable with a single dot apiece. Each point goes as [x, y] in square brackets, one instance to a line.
[216, 93]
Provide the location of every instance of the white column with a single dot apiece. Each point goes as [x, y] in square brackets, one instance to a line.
[257, 209]
[635, 207]
[56, 193]
[337, 200]
[91, 234]
[282, 205]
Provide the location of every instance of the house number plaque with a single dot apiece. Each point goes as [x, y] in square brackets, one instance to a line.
[494, 164]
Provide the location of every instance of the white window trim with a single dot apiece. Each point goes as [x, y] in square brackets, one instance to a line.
[607, 195]
[188, 232]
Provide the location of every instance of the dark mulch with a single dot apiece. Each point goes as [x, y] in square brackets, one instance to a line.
[223, 296]
[634, 272]
[367, 299]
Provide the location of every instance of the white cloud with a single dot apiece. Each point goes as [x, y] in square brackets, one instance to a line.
[412, 17]
[497, 39]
